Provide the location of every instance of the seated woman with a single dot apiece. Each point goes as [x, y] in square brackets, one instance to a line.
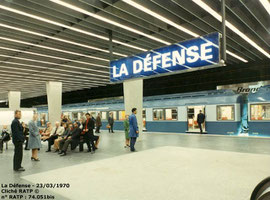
[62, 137]
[5, 136]
[47, 132]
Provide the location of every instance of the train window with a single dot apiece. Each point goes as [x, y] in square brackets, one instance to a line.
[260, 112]
[114, 114]
[93, 113]
[122, 115]
[43, 118]
[104, 115]
[171, 114]
[74, 115]
[225, 112]
[158, 114]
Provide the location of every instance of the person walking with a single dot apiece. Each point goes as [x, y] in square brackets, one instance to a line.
[98, 123]
[17, 139]
[110, 122]
[200, 120]
[133, 129]
[34, 141]
[126, 127]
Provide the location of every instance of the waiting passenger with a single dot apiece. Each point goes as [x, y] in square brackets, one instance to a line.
[88, 133]
[133, 129]
[60, 137]
[47, 132]
[67, 133]
[56, 131]
[110, 123]
[200, 120]
[26, 135]
[73, 138]
[5, 136]
[126, 127]
[98, 123]
[34, 138]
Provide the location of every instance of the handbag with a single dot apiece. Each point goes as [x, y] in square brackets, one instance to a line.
[108, 126]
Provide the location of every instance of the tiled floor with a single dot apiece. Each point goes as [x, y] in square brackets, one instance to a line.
[166, 166]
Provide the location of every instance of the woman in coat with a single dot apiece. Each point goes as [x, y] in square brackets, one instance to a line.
[34, 141]
[126, 127]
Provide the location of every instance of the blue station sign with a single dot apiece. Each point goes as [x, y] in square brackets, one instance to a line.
[197, 53]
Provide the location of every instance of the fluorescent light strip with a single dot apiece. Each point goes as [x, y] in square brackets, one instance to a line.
[68, 27]
[46, 68]
[156, 15]
[160, 17]
[230, 26]
[51, 63]
[54, 57]
[86, 78]
[54, 49]
[108, 21]
[58, 78]
[34, 83]
[60, 39]
[266, 5]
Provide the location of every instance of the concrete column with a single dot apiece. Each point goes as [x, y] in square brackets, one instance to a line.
[14, 99]
[133, 98]
[54, 98]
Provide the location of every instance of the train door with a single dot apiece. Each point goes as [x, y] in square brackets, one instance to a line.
[192, 112]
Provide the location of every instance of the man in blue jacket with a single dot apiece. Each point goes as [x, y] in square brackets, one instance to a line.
[133, 129]
[17, 139]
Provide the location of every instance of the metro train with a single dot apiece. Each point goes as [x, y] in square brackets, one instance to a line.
[227, 113]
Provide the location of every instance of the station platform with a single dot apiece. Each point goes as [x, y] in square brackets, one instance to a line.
[166, 166]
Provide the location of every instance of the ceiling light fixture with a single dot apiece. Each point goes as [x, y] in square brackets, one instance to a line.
[69, 27]
[230, 26]
[107, 20]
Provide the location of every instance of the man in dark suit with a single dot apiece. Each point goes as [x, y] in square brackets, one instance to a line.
[88, 132]
[200, 120]
[72, 138]
[17, 139]
[133, 129]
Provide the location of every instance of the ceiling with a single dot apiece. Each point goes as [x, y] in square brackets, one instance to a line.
[69, 40]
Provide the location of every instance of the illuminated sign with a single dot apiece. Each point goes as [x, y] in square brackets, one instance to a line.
[188, 55]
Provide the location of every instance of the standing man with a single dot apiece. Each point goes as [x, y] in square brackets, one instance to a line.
[17, 139]
[111, 122]
[98, 123]
[133, 129]
[88, 132]
[200, 120]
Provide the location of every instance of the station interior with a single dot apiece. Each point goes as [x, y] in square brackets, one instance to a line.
[170, 99]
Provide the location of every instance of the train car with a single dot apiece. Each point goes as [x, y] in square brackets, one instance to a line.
[178, 112]
[259, 112]
[170, 113]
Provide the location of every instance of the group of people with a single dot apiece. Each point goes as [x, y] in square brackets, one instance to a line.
[61, 136]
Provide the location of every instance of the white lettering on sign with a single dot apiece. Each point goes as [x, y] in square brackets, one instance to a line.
[193, 54]
[152, 61]
[123, 70]
[166, 60]
[137, 66]
[156, 61]
[178, 58]
[205, 50]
